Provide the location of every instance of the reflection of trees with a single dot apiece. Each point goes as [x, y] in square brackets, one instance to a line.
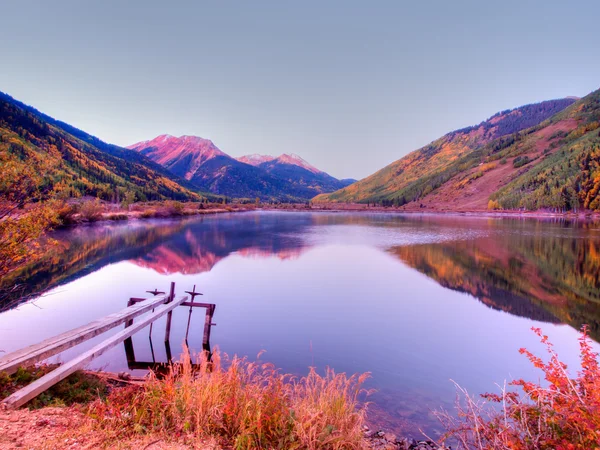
[524, 272]
[81, 251]
[183, 246]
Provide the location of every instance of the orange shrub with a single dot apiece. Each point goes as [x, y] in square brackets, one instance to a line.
[563, 413]
[249, 405]
[91, 210]
[66, 213]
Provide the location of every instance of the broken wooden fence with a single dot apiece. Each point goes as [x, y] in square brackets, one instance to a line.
[161, 304]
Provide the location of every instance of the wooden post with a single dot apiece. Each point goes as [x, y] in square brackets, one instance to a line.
[128, 343]
[131, 302]
[168, 352]
[129, 351]
[207, 324]
[170, 314]
[22, 396]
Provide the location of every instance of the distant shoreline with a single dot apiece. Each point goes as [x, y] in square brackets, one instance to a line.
[143, 213]
[362, 208]
[147, 213]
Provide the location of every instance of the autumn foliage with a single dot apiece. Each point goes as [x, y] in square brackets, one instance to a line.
[249, 405]
[23, 215]
[560, 413]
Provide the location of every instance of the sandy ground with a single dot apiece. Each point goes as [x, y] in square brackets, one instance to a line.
[68, 428]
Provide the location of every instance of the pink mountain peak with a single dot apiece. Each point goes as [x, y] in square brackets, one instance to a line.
[166, 149]
[255, 159]
[291, 158]
[296, 160]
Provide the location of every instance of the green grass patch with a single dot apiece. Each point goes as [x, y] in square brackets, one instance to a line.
[80, 387]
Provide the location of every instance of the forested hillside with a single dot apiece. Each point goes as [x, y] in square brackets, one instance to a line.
[56, 157]
[566, 173]
[502, 163]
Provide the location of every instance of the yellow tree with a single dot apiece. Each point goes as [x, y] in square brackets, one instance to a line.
[24, 216]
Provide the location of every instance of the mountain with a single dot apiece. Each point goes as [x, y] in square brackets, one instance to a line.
[291, 159]
[183, 156]
[199, 161]
[543, 155]
[296, 170]
[255, 159]
[74, 163]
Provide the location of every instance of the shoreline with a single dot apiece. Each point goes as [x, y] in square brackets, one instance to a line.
[359, 208]
[117, 216]
[71, 427]
[68, 417]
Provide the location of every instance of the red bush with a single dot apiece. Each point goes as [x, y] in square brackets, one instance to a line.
[562, 414]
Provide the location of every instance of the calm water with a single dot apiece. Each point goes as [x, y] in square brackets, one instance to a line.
[415, 300]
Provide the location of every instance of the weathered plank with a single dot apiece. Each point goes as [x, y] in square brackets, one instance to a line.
[22, 396]
[201, 305]
[54, 345]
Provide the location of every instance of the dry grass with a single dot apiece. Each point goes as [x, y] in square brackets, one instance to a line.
[91, 210]
[249, 405]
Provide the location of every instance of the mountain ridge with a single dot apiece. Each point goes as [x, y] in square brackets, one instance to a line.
[285, 158]
[75, 163]
[287, 177]
[469, 169]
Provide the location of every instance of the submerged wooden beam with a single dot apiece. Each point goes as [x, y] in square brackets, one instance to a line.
[54, 345]
[22, 396]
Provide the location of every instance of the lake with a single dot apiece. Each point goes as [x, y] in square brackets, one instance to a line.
[416, 300]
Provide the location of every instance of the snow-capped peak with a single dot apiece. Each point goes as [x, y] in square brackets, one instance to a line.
[255, 159]
[296, 160]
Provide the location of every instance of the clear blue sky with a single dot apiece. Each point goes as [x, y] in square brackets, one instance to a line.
[350, 86]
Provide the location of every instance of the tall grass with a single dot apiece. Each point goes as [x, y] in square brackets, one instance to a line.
[249, 405]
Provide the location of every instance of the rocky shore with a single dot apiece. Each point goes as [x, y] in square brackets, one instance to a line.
[378, 439]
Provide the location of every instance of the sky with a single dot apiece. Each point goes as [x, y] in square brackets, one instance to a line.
[348, 85]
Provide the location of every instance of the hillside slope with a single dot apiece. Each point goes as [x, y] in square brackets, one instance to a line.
[286, 178]
[449, 172]
[74, 163]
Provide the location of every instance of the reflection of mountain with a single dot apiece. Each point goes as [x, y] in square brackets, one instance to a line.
[176, 256]
[542, 277]
[183, 246]
[193, 254]
[287, 254]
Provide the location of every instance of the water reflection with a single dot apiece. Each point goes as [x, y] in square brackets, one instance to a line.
[390, 294]
[545, 274]
[547, 271]
[188, 246]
